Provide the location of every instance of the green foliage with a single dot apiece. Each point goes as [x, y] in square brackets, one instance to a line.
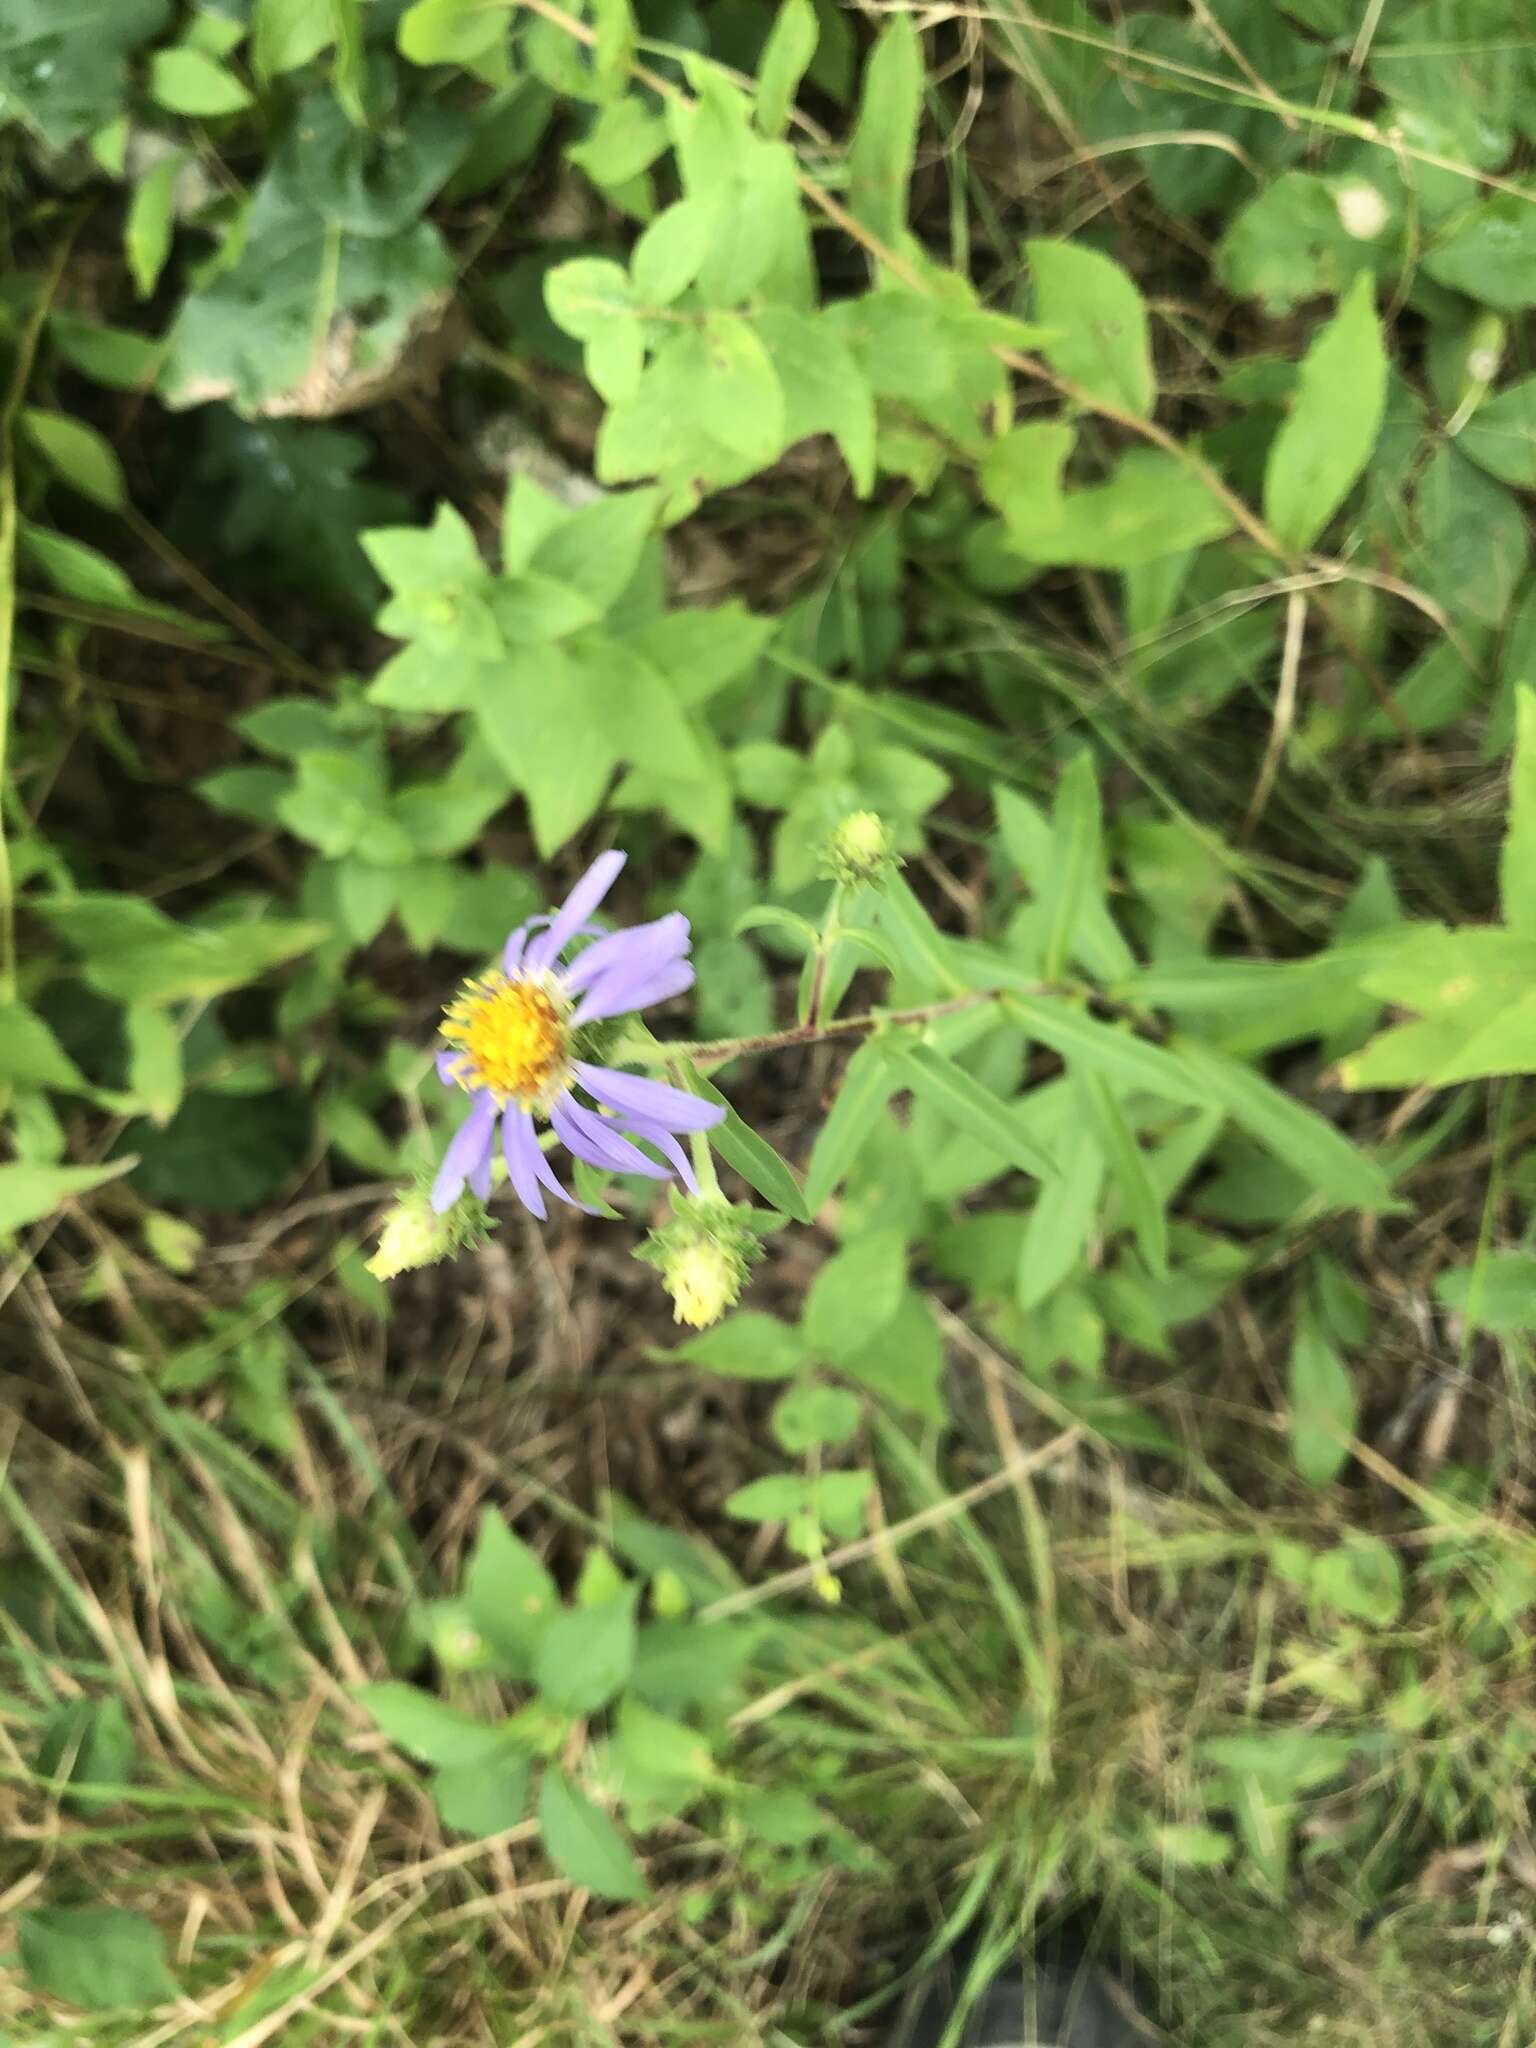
[443, 440]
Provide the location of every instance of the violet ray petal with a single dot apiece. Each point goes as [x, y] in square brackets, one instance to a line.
[548, 1179]
[674, 1109]
[618, 993]
[469, 1145]
[517, 1142]
[445, 1063]
[669, 1148]
[664, 937]
[575, 910]
[590, 1138]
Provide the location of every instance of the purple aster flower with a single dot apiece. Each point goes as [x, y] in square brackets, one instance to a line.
[515, 1045]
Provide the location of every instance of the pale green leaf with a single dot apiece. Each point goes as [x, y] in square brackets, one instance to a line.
[28, 1193]
[1517, 864]
[786, 55]
[77, 453]
[1326, 440]
[98, 1958]
[1322, 1398]
[884, 144]
[187, 81]
[1104, 344]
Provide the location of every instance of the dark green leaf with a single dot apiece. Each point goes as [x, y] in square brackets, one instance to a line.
[100, 1958]
[583, 1842]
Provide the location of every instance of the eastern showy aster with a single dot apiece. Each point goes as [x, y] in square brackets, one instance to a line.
[514, 1045]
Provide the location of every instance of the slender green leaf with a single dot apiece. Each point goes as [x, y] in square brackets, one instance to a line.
[1517, 865]
[755, 1159]
[962, 1100]
[868, 1085]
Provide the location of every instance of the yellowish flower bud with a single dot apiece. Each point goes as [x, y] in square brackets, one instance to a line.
[1363, 212]
[703, 1278]
[412, 1235]
[828, 1587]
[860, 849]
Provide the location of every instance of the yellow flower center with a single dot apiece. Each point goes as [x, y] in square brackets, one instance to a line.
[510, 1037]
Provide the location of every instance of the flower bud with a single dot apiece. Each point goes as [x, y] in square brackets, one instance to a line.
[1363, 213]
[703, 1279]
[860, 849]
[702, 1256]
[412, 1234]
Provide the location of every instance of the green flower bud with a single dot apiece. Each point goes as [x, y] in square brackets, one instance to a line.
[703, 1256]
[860, 849]
[413, 1234]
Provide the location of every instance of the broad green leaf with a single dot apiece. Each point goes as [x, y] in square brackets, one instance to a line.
[625, 140]
[747, 1346]
[1289, 244]
[1152, 505]
[786, 56]
[584, 294]
[774, 1499]
[532, 607]
[1020, 473]
[810, 1415]
[63, 63]
[253, 330]
[583, 1842]
[287, 34]
[1324, 444]
[586, 1655]
[507, 1593]
[81, 456]
[825, 390]
[28, 1193]
[540, 721]
[1362, 1578]
[854, 1295]
[483, 1798]
[787, 1818]
[1501, 436]
[1322, 1398]
[755, 1159]
[1489, 252]
[428, 1728]
[1473, 544]
[657, 1743]
[156, 960]
[599, 548]
[963, 1101]
[868, 1084]
[673, 250]
[223, 1151]
[884, 144]
[30, 1055]
[741, 403]
[98, 1958]
[1104, 344]
[1517, 862]
[904, 1362]
[186, 81]
[1496, 1292]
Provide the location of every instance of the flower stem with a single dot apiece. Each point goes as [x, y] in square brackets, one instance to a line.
[710, 1052]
